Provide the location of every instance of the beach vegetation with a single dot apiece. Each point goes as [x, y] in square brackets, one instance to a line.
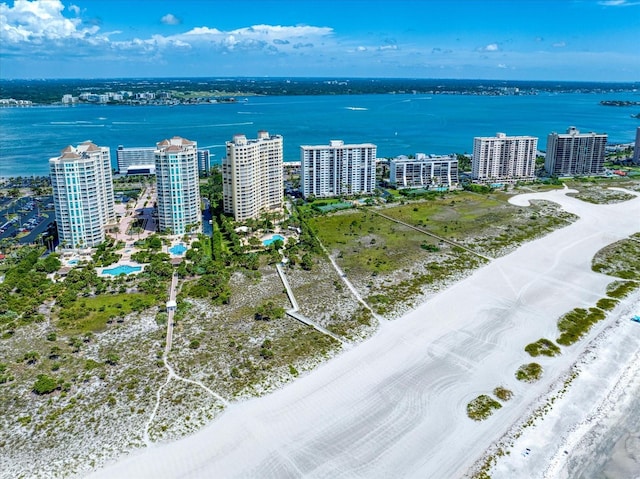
[620, 259]
[529, 372]
[621, 289]
[482, 407]
[576, 323]
[606, 304]
[45, 384]
[502, 393]
[268, 311]
[542, 346]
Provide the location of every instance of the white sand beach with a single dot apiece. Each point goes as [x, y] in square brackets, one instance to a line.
[395, 405]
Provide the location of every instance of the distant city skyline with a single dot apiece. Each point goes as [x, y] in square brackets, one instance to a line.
[591, 40]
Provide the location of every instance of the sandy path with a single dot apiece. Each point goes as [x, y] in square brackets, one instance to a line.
[394, 406]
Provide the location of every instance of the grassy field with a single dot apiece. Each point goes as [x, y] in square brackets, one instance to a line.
[93, 314]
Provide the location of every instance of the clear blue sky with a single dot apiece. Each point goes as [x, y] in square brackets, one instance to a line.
[595, 40]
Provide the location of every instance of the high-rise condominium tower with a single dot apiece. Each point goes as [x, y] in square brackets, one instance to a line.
[177, 184]
[575, 153]
[504, 158]
[82, 194]
[252, 176]
[337, 169]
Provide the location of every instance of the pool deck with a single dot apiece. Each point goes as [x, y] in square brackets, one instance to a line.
[132, 264]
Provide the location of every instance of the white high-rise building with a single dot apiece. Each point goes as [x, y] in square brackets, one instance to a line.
[575, 153]
[503, 158]
[252, 175]
[136, 159]
[177, 181]
[82, 194]
[337, 169]
[424, 171]
[636, 148]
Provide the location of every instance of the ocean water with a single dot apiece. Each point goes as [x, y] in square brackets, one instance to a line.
[397, 124]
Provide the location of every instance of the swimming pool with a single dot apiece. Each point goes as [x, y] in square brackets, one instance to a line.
[273, 239]
[72, 262]
[122, 269]
[178, 249]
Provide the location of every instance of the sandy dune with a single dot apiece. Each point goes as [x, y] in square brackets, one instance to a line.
[395, 406]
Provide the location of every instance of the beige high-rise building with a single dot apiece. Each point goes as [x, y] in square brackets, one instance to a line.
[503, 158]
[252, 180]
[338, 169]
[574, 153]
[177, 182]
[82, 194]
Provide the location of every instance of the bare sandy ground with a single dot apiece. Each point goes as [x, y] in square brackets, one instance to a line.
[395, 406]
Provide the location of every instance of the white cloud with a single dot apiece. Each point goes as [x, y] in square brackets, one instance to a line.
[75, 9]
[502, 65]
[492, 47]
[559, 45]
[617, 3]
[170, 19]
[39, 21]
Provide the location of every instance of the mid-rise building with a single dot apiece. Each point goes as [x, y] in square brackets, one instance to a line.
[252, 175]
[575, 153]
[136, 160]
[204, 162]
[636, 148]
[503, 158]
[82, 194]
[424, 171]
[337, 169]
[177, 184]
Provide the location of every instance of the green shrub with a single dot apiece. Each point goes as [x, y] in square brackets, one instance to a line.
[482, 407]
[543, 347]
[621, 289]
[45, 384]
[529, 372]
[606, 304]
[502, 393]
[577, 323]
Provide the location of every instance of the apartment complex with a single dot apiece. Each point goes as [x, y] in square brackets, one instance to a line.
[636, 148]
[176, 163]
[424, 171]
[82, 194]
[337, 169]
[252, 175]
[136, 160]
[503, 158]
[575, 153]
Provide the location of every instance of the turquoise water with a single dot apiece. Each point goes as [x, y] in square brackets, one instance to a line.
[72, 261]
[178, 249]
[122, 269]
[272, 240]
[397, 124]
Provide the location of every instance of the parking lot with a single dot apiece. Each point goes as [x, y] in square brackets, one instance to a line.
[26, 218]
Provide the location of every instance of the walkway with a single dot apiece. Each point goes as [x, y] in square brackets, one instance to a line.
[293, 312]
[440, 238]
[172, 374]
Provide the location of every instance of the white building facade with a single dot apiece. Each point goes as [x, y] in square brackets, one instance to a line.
[135, 159]
[575, 153]
[338, 169]
[252, 175]
[503, 158]
[177, 182]
[82, 195]
[424, 171]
